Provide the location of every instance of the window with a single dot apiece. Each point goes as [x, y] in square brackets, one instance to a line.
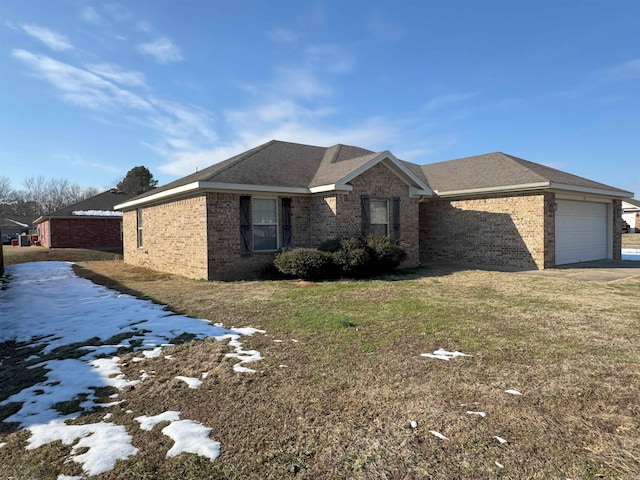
[379, 217]
[264, 214]
[139, 223]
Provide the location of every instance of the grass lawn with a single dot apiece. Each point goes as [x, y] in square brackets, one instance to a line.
[342, 378]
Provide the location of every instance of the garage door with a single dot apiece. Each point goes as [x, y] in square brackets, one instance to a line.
[581, 232]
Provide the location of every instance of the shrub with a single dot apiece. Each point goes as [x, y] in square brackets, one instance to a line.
[353, 257]
[307, 263]
[385, 254]
[332, 245]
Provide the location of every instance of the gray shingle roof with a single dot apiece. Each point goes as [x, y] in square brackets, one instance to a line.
[294, 165]
[104, 201]
[493, 170]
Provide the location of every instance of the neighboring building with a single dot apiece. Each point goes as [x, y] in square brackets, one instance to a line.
[228, 220]
[90, 223]
[631, 214]
[16, 225]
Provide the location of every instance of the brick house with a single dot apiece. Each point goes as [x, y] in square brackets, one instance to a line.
[90, 223]
[228, 220]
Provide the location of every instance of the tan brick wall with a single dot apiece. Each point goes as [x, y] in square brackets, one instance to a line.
[512, 231]
[340, 215]
[174, 237]
[225, 261]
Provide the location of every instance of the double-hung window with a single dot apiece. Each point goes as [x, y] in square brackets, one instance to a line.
[264, 216]
[379, 218]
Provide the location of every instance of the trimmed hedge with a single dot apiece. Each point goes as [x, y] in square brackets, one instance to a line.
[351, 257]
[307, 263]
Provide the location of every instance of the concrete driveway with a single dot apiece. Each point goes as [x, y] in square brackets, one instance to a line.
[596, 271]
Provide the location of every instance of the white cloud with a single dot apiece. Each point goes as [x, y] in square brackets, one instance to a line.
[118, 75]
[51, 39]
[625, 71]
[329, 58]
[282, 35]
[299, 83]
[163, 50]
[118, 12]
[90, 15]
[442, 100]
[79, 86]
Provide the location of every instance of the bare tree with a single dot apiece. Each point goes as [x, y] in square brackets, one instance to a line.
[41, 196]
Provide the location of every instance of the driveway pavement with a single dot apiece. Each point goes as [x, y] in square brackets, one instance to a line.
[596, 271]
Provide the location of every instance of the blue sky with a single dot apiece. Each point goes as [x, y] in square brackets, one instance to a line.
[89, 90]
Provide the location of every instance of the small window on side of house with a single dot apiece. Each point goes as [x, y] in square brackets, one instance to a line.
[264, 214]
[139, 226]
[379, 218]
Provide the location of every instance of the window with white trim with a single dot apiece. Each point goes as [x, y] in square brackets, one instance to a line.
[379, 220]
[264, 215]
[139, 226]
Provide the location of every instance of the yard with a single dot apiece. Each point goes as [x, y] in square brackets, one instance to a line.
[342, 379]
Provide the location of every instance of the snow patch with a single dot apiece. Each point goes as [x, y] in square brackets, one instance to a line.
[191, 381]
[97, 213]
[442, 354]
[191, 437]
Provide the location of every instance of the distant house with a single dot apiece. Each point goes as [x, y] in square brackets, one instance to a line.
[90, 223]
[631, 214]
[228, 220]
[16, 225]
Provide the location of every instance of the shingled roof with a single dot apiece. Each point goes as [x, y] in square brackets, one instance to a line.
[501, 172]
[100, 205]
[284, 167]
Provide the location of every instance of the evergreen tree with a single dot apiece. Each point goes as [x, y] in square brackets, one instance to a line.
[138, 180]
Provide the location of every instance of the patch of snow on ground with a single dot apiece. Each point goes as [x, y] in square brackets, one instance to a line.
[52, 308]
[500, 439]
[481, 414]
[511, 391]
[191, 381]
[442, 354]
[2, 444]
[103, 443]
[148, 423]
[438, 434]
[191, 437]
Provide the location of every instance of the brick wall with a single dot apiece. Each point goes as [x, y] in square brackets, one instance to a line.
[512, 231]
[223, 221]
[617, 229]
[174, 237]
[340, 215]
[80, 232]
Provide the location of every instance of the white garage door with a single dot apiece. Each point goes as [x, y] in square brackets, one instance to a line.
[581, 232]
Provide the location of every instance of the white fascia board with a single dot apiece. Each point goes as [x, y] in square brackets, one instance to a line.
[209, 186]
[333, 187]
[396, 163]
[501, 189]
[591, 190]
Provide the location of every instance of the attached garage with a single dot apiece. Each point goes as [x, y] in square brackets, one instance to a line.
[581, 231]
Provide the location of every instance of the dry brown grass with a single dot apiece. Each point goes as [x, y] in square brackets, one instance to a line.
[353, 381]
[13, 255]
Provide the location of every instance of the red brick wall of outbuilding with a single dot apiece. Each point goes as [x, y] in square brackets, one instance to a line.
[82, 233]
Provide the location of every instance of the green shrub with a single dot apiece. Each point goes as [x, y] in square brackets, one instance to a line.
[307, 263]
[332, 245]
[385, 254]
[353, 257]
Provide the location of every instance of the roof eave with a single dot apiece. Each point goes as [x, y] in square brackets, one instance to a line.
[211, 187]
[592, 190]
[488, 190]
